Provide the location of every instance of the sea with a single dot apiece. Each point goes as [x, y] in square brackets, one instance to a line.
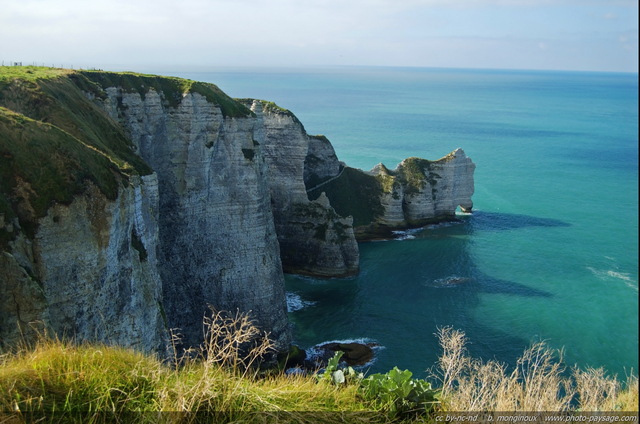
[550, 252]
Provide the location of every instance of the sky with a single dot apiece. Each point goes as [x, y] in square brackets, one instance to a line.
[583, 35]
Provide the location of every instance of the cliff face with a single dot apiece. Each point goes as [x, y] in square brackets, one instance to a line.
[130, 204]
[423, 190]
[313, 238]
[164, 211]
[93, 265]
[78, 233]
[416, 193]
[217, 238]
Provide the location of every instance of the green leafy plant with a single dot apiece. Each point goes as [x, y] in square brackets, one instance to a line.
[333, 373]
[399, 394]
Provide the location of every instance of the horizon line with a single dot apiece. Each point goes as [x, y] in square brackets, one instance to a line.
[213, 68]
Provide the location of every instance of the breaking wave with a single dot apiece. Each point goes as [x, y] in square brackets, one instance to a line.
[295, 302]
[406, 234]
[625, 277]
[314, 353]
[450, 281]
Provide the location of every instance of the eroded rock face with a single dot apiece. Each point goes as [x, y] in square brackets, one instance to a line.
[23, 302]
[217, 240]
[416, 193]
[314, 239]
[425, 190]
[90, 272]
[321, 161]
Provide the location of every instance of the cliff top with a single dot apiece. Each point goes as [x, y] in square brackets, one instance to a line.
[172, 89]
[54, 138]
[29, 73]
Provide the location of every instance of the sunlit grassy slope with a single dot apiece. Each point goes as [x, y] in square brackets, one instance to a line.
[54, 137]
[62, 382]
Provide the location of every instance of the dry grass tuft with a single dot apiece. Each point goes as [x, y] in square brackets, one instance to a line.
[223, 376]
[539, 382]
[234, 341]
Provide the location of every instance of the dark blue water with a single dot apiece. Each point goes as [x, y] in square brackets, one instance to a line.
[551, 251]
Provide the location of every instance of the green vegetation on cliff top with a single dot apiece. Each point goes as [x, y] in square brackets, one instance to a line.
[412, 172]
[41, 164]
[172, 89]
[53, 137]
[30, 73]
[357, 193]
[52, 140]
[354, 193]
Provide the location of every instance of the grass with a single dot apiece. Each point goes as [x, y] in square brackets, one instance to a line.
[57, 376]
[57, 101]
[53, 138]
[172, 89]
[41, 164]
[221, 382]
[29, 73]
[539, 382]
[355, 194]
[411, 173]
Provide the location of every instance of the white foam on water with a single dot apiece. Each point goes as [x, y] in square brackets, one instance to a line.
[450, 281]
[407, 234]
[314, 352]
[624, 276]
[410, 233]
[607, 274]
[295, 302]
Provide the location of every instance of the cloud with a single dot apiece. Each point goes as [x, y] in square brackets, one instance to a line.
[312, 32]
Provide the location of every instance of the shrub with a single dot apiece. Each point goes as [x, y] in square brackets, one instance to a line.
[335, 374]
[399, 394]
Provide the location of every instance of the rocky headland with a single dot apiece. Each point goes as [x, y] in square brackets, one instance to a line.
[130, 204]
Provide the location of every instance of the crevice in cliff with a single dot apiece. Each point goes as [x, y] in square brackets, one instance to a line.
[137, 244]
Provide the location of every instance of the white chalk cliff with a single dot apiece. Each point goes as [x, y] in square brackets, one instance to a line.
[166, 197]
[313, 238]
[422, 190]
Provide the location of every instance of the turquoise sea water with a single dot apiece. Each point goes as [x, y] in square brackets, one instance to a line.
[551, 250]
